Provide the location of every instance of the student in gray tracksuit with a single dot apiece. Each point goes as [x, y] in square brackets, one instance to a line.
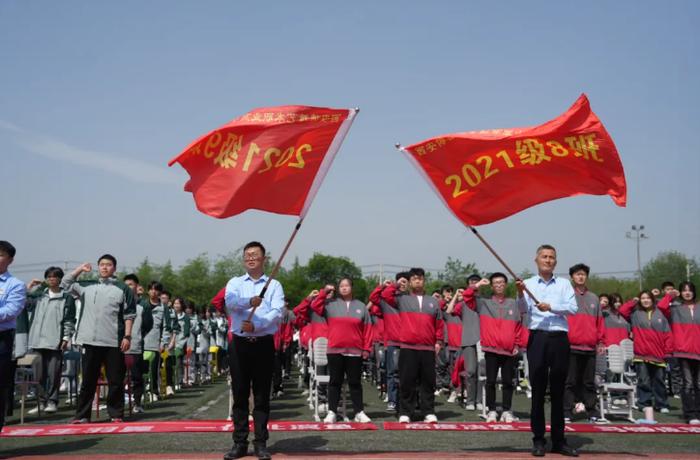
[160, 336]
[190, 354]
[203, 343]
[52, 322]
[134, 357]
[104, 331]
[183, 335]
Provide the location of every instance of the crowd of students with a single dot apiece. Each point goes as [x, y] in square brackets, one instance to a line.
[423, 344]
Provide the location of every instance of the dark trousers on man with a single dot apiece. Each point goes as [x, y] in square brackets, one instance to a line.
[338, 367]
[506, 364]
[277, 371]
[135, 366]
[7, 339]
[548, 362]
[51, 361]
[154, 373]
[690, 395]
[92, 360]
[393, 354]
[250, 364]
[580, 382]
[416, 375]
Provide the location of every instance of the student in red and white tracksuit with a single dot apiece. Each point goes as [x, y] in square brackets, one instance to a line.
[501, 337]
[421, 338]
[617, 328]
[681, 309]
[311, 326]
[392, 336]
[587, 339]
[349, 342]
[653, 343]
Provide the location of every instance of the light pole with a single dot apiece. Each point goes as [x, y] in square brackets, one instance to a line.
[638, 235]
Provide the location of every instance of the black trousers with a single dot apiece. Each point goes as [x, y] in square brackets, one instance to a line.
[250, 364]
[154, 373]
[506, 364]
[7, 339]
[416, 374]
[136, 366]
[338, 367]
[92, 360]
[690, 395]
[277, 371]
[548, 362]
[580, 382]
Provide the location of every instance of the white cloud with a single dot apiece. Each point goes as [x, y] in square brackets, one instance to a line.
[128, 168]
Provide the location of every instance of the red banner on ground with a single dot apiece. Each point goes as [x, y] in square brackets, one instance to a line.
[484, 176]
[675, 428]
[273, 159]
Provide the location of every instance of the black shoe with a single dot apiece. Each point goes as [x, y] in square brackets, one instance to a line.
[538, 450]
[261, 452]
[565, 450]
[237, 451]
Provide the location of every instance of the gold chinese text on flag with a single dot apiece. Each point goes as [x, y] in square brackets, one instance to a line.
[485, 176]
[273, 159]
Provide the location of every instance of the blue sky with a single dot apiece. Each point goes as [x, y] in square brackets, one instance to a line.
[97, 97]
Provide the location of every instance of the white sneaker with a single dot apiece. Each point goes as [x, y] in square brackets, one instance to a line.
[508, 417]
[322, 407]
[361, 417]
[430, 418]
[138, 410]
[154, 397]
[579, 408]
[169, 391]
[470, 407]
[694, 422]
[404, 419]
[453, 397]
[479, 406]
[35, 410]
[438, 392]
[492, 417]
[279, 394]
[664, 410]
[305, 393]
[330, 417]
[50, 407]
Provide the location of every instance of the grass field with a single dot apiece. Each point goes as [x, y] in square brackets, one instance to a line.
[210, 402]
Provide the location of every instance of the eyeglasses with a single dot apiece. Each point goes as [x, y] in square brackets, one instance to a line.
[246, 258]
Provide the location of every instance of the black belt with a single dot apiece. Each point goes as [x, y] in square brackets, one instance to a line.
[550, 333]
[253, 339]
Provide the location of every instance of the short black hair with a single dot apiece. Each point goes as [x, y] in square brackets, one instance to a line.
[109, 257]
[400, 275]
[614, 298]
[163, 291]
[157, 286]
[497, 275]
[436, 292]
[53, 271]
[446, 287]
[666, 284]
[7, 248]
[416, 271]
[254, 244]
[473, 277]
[132, 277]
[578, 268]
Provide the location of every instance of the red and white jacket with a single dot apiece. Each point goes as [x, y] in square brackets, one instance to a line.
[421, 318]
[390, 314]
[315, 325]
[499, 323]
[685, 327]
[617, 329]
[652, 334]
[349, 324]
[587, 325]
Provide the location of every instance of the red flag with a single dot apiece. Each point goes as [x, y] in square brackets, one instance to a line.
[485, 176]
[273, 159]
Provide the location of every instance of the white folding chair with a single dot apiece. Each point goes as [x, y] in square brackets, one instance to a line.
[609, 391]
[320, 358]
[481, 383]
[630, 375]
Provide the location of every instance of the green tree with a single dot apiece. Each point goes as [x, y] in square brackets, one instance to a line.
[196, 283]
[146, 272]
[669, 266]
[456, 272]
